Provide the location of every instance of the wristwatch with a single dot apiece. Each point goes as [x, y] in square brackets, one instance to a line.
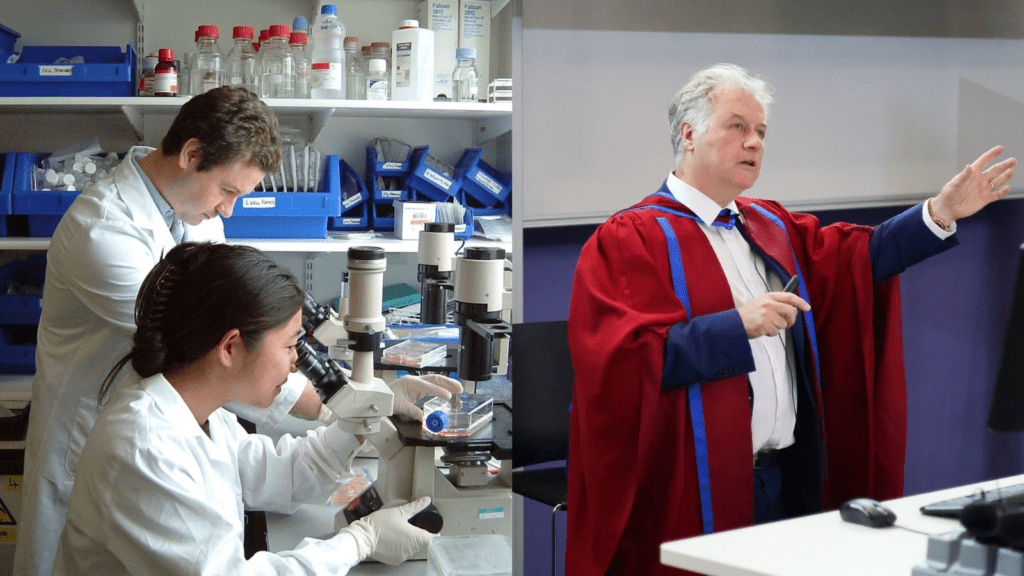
[938, 221]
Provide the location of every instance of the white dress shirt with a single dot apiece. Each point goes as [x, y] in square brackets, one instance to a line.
[773, 418]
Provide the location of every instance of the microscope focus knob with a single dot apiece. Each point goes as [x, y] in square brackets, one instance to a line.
[436, 421]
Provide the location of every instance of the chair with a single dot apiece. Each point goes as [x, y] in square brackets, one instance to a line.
[542, 379]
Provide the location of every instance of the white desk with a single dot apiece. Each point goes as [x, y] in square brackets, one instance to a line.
[822, 543]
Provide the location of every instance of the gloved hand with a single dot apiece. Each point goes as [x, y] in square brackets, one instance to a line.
[408, 389]
[387, 536]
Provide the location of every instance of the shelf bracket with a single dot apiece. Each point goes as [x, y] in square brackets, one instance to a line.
[487, 129]
[317, 122]
[135, 118]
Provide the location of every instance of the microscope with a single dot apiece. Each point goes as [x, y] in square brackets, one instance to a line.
[470, 499]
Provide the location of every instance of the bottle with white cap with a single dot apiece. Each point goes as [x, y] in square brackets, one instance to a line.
[412, 61]
[464, 78]
[377, 79]
[327, 76]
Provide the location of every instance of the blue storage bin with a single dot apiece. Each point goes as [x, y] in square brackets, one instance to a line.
[387, 196]
[354, 197]
[44, 209]
[17, 350]
[382, 217]
[481, 181]
[22, 308]
[466, 232]
[107, 71]
[381, 167]
[428, 181]
[7, 39]
[6, 186]
[480, 210]
[288, 214]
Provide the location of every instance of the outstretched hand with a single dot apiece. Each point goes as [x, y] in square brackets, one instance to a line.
[973, 188]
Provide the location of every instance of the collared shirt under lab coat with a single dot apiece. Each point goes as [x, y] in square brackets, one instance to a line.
[104, 246]
[155, 494]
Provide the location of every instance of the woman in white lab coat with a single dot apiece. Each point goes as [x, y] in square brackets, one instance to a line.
[167, 472]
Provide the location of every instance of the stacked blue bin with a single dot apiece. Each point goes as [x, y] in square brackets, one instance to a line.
[6, 185]
[288, 214]
[107, 71]
[382, 209]
[7, 39]
[482, 187]
[355, 201]
[42, 208]
[19, 313]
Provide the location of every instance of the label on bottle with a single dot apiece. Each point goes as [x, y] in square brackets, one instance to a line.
[403, 65]
[262, 202]
[165, 83]
[377, 90]
[325, 76]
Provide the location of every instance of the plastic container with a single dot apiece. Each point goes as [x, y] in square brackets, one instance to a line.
[165, 75]
[208, 62]
[277, 65]
[480, 555]
[148, 71]
[377, 82]
[8, 38]
[298, 41]
[465, 79]
[460, 416]
[415, 353]
[6, 185]
[427, 179]
[107, 71]
[43, 209]
[412, 56]
[241, 60]
[480, 180]
[17, 350]
[288, 214]
[355, 73]
[21, 288]
[327, 77]
[382, 50]
[354, 213]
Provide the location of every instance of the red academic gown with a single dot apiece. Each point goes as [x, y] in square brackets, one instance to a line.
[632, 474]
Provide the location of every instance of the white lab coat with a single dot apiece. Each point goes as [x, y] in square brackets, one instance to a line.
[106, 243]
[155, 495]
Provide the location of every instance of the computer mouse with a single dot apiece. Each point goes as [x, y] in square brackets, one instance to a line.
[867, 512]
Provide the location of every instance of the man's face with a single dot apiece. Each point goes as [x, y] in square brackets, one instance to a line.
[213, 192]
[727, 157]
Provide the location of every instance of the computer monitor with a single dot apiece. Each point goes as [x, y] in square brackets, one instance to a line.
[1007, 411]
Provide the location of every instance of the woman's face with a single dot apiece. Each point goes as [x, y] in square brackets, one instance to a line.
[265, 369]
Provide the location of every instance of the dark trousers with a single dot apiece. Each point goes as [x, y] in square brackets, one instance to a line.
[768, 495]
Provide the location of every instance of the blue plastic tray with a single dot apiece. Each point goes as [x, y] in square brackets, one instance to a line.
[288, 214]
[22, 308]
[355, 213]
[107, 71]
[43, 208]
[427, 181]
[7, 39]
[382, 217]
[379, 167]
[17, 355]
[480, 180]
[6, 185]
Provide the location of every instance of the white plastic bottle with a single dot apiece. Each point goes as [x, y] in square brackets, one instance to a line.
[241, 61]
[355, 74]
[208, 62]
[298, 40]
[277, 65]
[377, 80]
[412, 61]
[327, 77]
[464, 79]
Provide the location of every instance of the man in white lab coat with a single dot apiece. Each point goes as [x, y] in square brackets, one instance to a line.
[217, 149]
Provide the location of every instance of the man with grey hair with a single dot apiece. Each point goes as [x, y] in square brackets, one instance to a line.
[705, 391]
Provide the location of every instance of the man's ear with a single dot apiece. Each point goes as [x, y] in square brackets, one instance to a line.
[190, 155]
[230, 348]
[687, 133]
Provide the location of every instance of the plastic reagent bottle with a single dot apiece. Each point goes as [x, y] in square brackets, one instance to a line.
[327, 77]
[241, 61]
[355, 75]
[165, 75]
[277, 65]
[377, 80]
[208, 62]
[382, 50]
[303, 64]
[464, 78]
[412, 73]
[299, 25]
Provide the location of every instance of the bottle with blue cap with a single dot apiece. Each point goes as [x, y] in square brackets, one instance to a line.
[465, 78]
[327, 74]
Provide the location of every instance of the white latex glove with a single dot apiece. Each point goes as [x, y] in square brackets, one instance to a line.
[409, 389]
[387, 536]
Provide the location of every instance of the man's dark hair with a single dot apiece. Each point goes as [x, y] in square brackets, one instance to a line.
[231, 124]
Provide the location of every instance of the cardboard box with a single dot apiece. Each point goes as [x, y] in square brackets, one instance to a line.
[441, 16]
[412, 217]
[475, 31]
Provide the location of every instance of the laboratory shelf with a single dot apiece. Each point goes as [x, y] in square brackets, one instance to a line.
[322, 245]
[492, 120]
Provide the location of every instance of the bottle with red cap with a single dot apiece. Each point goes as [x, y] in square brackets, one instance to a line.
[241, 61]
[208, 61]
[165, 75]
[298, 41]
[277, 65]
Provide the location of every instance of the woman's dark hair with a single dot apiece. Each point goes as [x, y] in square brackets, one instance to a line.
[195, 295]
[231, 123]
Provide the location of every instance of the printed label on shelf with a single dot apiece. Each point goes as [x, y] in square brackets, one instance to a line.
[352, 221]
[263, 202]
[352, 200]
[52, 70]
[492, 513]
[390, 193]
[488, 183]
[391, 166]
[437, 179]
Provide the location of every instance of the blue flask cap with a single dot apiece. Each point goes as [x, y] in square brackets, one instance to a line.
[437, 421]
